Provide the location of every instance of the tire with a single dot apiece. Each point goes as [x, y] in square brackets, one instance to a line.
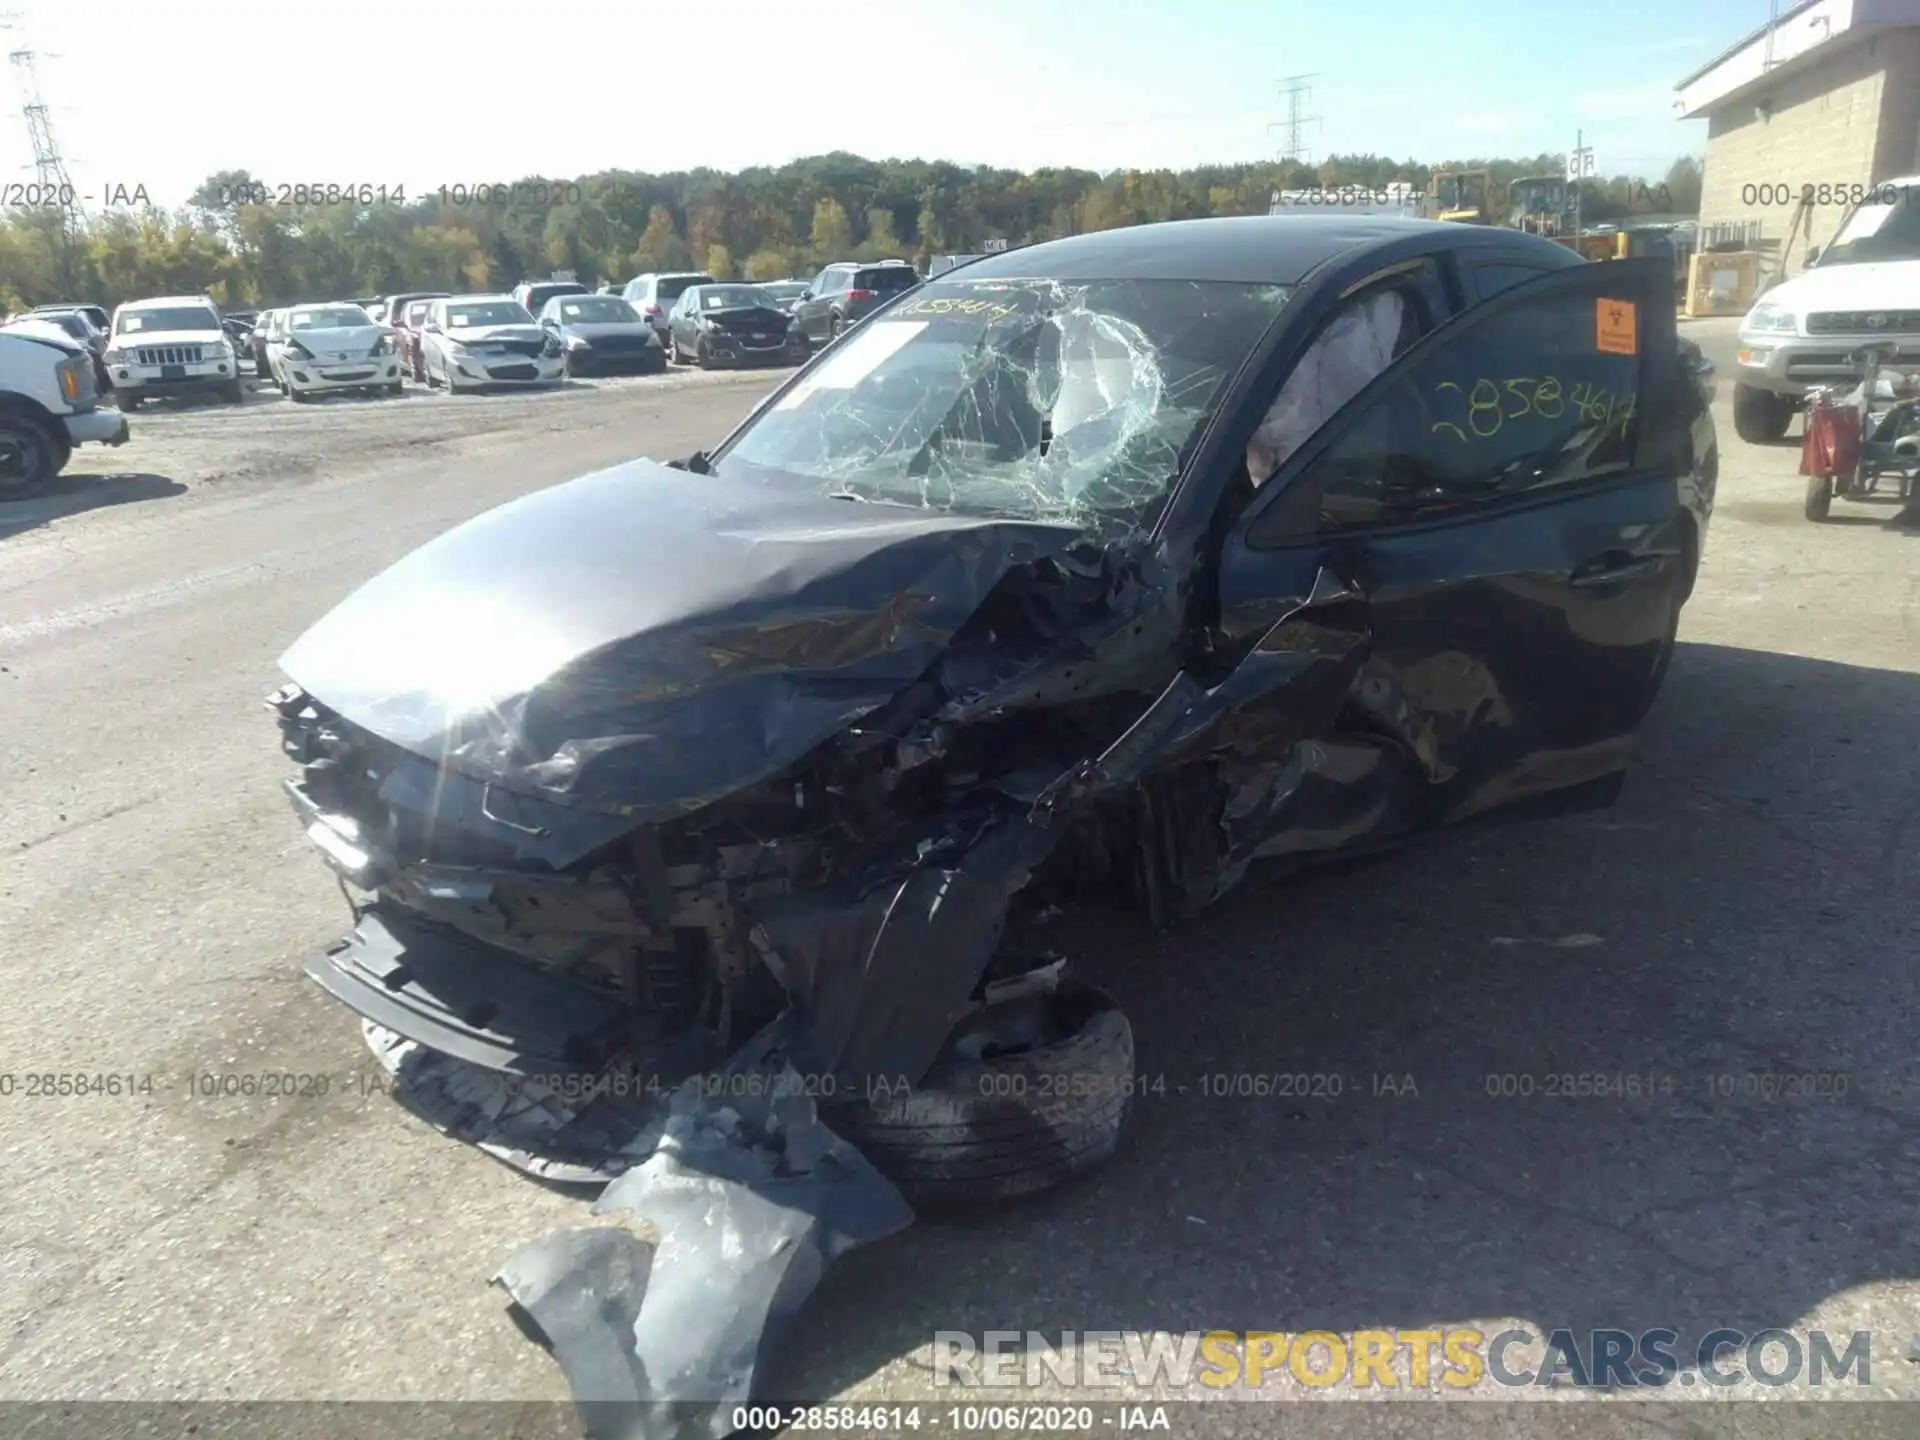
[1006, 1125]
[128, 403]
[1819, 497]
[29, 460]
[834, 329]
[233, 393]
[701, 357]
[395, 388]
[1761, 417]
[674, 357]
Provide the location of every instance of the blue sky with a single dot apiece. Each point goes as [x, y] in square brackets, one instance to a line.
[151, 93]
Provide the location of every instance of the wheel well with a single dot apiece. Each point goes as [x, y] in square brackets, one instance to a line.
[14, 403]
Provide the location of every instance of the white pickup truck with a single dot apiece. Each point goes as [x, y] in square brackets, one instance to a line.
[49, 403]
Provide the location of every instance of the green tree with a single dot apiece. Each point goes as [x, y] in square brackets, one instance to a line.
[830, 232]
[766, 265]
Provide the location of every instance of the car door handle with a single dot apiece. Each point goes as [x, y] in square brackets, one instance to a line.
[1615, 568]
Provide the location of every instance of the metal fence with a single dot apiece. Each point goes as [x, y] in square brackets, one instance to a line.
[1729, 235]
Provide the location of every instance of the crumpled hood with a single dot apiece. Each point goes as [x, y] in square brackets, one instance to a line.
[1868, 285]
[646, 639]
[352, 340]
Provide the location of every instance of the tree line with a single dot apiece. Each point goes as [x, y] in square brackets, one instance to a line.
[246, 241]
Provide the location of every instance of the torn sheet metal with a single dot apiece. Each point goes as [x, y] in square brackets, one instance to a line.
[751, 1197]
[879, 980]
[644, 641]
[540, 1126]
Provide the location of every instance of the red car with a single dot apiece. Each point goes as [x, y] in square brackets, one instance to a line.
[404, 313]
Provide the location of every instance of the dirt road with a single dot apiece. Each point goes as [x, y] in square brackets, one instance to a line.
[1746, 910]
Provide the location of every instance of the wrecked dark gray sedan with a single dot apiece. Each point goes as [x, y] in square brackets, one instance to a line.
[710, 804]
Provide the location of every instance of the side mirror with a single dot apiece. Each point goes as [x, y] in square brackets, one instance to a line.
[1813, 253]
[429, 327]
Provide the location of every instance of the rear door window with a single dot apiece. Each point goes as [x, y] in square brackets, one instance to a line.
[887, 279]
[671, 290]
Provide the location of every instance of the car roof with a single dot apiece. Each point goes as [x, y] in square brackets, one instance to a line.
[476, 299]
[1251, 249]
[155, 302]
[325, 305]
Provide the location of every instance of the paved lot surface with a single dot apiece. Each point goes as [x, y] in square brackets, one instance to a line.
[1746, 910]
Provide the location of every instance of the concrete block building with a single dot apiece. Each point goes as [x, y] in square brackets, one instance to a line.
[1827, 93]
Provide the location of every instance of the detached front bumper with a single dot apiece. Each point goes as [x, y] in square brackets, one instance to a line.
[104, 425]
[1793, 364]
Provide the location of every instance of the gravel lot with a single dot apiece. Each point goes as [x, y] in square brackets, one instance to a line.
[1746, 909]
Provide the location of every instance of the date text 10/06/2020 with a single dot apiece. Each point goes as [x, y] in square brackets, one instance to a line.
[519, 194]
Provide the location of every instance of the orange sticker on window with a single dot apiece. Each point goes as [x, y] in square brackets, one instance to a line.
[1615, 330]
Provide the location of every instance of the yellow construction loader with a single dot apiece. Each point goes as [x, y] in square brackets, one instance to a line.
[1465, 196]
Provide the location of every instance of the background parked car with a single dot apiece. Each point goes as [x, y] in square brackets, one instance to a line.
[168, 346]
[96, 315]
[730, 325]
[786, 292]
[74, 322]
[47, 405]
[255, 349]
[324, 348]
[402, 317]
[602, 332]
[653, 295]
[468, 341]
[845, 293]
[533, 295]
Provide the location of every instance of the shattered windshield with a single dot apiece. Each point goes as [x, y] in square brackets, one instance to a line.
[1035, 399]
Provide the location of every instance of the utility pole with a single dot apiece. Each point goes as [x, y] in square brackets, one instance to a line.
[1579, 167]
[1295, 90]
[50, 171]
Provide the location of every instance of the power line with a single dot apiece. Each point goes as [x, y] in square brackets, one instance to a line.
[56, 185]
[1295, 90]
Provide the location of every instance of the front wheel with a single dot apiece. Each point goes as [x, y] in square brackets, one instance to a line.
[233, 393]
[28, 461]
[128, 403]
[395, 388]
[1761, 417]
[1030, 1093]
[1819, 497]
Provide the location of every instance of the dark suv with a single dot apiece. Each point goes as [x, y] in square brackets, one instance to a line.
[843, 294]
[534, 294]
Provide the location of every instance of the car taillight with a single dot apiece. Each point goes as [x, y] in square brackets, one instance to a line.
[859, 294]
